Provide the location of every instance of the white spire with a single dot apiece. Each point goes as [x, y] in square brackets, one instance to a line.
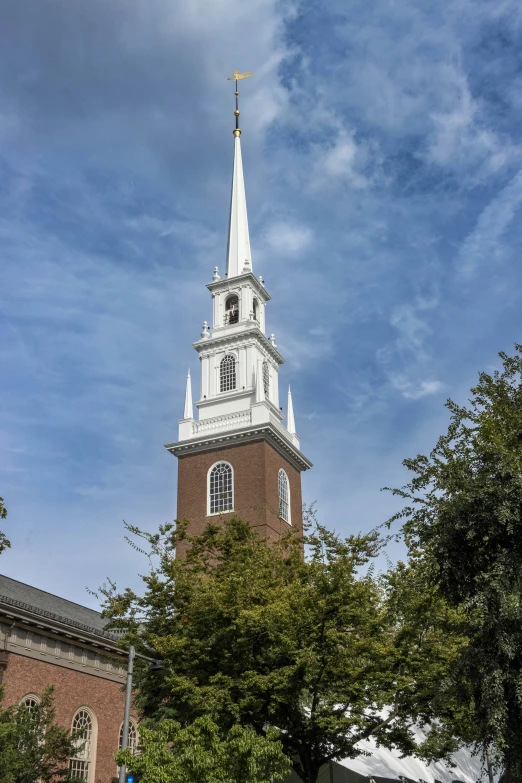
[239, 258]
[290, 421]
[188, 399]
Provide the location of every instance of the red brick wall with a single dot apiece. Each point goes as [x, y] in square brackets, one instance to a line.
[256, 494]
[72, 690]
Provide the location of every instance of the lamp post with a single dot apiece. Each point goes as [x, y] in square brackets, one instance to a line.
[154, 665]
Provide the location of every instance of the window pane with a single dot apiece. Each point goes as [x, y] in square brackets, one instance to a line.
[132, 739]
[227, 374]
[221, 489]
[82, 730]
[284, 496]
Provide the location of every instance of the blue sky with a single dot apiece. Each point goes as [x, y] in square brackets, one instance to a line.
[382, 147]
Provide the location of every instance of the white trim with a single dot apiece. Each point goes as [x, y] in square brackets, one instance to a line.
[278, 437]
[33, 696]
[229, 510]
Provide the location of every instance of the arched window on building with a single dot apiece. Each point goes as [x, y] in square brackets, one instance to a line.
[81, 764]
[231, 310]
[255, 310]
[132, 739]
[220, 488]
[284, 496]
[227, 373]
[266, 379]
[30, 701]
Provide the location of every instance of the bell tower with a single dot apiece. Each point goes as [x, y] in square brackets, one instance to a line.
[237, 456]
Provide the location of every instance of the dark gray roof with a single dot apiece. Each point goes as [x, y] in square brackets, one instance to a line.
[52, 606]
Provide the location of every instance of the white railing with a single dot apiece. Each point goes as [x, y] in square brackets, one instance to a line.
[228, 422]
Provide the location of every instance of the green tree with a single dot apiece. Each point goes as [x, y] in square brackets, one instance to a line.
[4, 543]
[32, 746]
[200, 754]
[258, 636]
[464, 517]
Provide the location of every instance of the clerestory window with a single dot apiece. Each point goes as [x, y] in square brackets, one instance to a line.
[284, 496]
[227, 373]
[220, 488]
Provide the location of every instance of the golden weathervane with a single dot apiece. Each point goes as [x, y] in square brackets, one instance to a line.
[236, 76]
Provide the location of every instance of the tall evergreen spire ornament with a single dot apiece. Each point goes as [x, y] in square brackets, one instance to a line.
[236, 77]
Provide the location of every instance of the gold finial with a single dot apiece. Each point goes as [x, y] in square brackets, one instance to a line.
[236, 76]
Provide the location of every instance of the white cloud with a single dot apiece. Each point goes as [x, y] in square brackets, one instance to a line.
[288, 239]
[484, 243]
[415, 390]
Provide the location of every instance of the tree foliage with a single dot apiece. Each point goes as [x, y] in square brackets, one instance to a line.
[464, 518]
[32, 746]
[199, 753]
[4, 543]
[258, 636]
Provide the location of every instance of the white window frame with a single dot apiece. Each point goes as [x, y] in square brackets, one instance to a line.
[29, 697]
[283, 476]
[228, 510]
[91, 770]
[222, 359]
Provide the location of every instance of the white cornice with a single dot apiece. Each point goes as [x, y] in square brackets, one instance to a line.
[266, 431]
[239, 338]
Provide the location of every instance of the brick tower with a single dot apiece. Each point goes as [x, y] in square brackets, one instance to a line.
[237, 456]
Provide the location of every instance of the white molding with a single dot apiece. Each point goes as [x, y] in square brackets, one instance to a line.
[239, 339]
[274, 435]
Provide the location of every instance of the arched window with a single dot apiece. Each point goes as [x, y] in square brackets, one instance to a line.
[30, 701]
[255, 310]
[231, 310]
[220, 488]
[227, 373]
[81, 764]
[284, 496]
[132, 739]
[266, 378]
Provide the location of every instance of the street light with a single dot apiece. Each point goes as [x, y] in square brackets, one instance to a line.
[154, 665]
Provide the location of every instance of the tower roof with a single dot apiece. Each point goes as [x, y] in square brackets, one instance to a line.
[239, 257]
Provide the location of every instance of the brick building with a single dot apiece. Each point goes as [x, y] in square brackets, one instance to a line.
[237, 455]
[46, 640]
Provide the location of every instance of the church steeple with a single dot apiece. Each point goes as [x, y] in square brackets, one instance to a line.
[239, 257]
[235, 454]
